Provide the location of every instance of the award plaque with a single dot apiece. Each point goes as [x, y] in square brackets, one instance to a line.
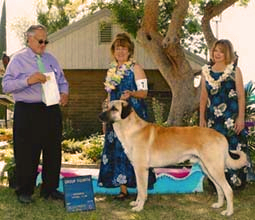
[79, 194]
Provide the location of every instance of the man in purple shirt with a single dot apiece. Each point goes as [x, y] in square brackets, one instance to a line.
[37, 128]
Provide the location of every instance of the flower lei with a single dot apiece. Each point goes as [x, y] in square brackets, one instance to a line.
[216, 83]
[115, 74]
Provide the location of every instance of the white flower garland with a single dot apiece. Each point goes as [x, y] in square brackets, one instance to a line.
[115, 74]
[216, 83]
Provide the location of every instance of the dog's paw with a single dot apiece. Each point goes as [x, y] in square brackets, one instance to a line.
[137, 208]
[216, 205]
[133, 203]
[226, 213]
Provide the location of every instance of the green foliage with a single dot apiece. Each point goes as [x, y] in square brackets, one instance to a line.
[90, 148]
[243, 2]
[72, 146]
[128, 14]
[165, 14]
[94, 147]
[75, 8]
[191, 119]
[9, 166]
[193, 26]
[4, 131]
[158, 110]
[250, 116]
[250, 101]
[93, 152]
[191, 37]
[251, 142]
[54, 17]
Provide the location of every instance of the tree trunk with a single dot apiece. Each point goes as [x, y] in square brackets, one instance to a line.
[185, 100]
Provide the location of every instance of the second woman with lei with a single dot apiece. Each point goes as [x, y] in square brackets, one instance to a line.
[222, 103]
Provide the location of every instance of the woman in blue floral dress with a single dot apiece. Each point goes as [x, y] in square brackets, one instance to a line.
[222, 103]
[125, 80]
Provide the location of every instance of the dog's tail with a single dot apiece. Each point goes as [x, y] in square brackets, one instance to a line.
[237, 161]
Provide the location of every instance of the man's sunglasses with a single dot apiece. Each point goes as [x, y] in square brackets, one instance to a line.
[43, 41]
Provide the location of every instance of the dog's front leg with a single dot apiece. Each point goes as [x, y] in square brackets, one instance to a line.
[141, 174]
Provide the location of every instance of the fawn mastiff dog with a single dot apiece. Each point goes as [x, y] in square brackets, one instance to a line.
[150, 145]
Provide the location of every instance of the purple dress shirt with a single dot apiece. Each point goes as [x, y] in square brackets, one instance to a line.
[21, 66]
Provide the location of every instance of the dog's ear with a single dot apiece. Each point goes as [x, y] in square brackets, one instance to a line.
[126, 109]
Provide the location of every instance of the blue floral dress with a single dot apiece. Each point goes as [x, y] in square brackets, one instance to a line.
[222, 111]
[115, 168]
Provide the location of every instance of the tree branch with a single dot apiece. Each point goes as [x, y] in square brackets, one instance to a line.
[172, 55]
[150, 19]
[174, 28]
[154, 48]
[151, 40]
[211, 10]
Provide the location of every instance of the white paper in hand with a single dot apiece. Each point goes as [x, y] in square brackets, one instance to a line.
[50, 94]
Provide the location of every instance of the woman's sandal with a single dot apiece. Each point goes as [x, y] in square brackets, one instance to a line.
[122, 196]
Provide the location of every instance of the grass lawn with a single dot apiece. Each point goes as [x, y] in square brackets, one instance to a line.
[157, 207]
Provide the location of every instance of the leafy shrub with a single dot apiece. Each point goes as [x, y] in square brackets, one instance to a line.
[250, 101]
[158, 110]
[5, 131]
[5, 134]
[251, 142]
[93, 152]
[191, 119]
[66, 157]
[250, 116]
[72, 146]
[93, 147]
[8, 171]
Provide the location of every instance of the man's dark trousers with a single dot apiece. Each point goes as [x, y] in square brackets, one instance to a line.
[37, 128]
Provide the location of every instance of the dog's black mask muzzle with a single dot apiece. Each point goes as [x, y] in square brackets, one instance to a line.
[104, 116]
